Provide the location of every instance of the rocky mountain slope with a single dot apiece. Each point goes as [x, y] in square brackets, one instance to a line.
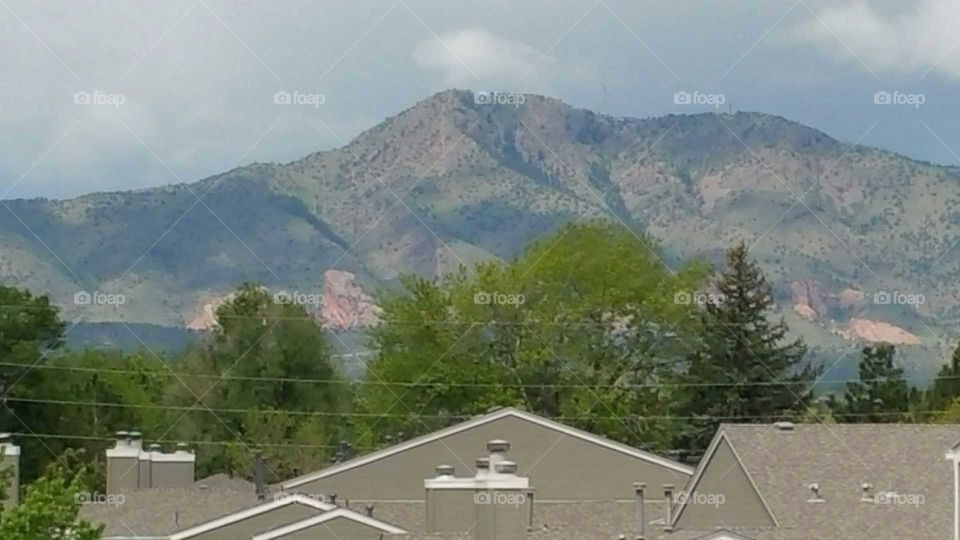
[853, 237]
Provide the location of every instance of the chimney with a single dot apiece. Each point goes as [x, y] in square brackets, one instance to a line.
[494, 504]
[10, 458]
[146, 466]
[668, 502]
[260, 476]
[123, 464]
[173, 470]
[640, 488]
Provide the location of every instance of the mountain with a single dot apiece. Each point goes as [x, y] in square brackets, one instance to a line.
[847, 233]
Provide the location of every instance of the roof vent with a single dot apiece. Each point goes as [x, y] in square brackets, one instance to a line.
[483, 467]
[815, 496]
[784, 426]
[445, 470]
[498, 446]
[867, 492]
[506, 467]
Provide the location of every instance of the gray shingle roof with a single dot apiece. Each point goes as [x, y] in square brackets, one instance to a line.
[157, 512]
[906, 459]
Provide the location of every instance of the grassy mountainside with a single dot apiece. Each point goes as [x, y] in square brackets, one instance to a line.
[449, 180]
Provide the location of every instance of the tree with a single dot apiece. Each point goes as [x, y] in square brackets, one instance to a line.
[880, 390]
[30, 328]
[49, 511]
[581, 326]
[743, 368]
[946, 387]
[267, 355]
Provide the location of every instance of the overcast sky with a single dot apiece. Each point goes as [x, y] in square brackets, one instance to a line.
[104, 95]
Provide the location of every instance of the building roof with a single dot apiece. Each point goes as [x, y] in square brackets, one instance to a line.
[162, 511]
[479, 421]
[911, 495]
[326, 517]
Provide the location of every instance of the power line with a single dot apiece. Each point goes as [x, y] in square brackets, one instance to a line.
[308, 380]
[561, 419]
[177, 441]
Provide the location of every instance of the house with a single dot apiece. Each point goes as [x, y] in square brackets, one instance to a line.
[496, 477]
[563, 462]
[821, 481]
[429, 487]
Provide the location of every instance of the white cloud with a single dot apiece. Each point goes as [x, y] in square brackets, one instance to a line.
[468, 56]
[915, 41]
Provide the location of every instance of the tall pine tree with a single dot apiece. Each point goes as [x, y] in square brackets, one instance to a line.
[880, 391]
[744, 369]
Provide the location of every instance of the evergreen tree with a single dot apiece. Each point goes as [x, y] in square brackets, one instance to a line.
[881, 389]
[743, 369]
[946, 387]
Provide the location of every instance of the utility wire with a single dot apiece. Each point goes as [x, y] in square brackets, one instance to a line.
[444, 384]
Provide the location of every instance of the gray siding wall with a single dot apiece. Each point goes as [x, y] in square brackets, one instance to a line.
[564, 467]
[246, 529]
[122, 474]
[171, 475]
[450, 510]
[13, 487]
[741, 506]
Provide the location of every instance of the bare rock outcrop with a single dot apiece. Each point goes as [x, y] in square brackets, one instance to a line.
[345, 304]
[877, 332]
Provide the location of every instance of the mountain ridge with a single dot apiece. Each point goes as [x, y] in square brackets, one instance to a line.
[450, 181]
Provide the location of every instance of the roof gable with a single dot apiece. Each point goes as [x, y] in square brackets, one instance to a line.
[723, 492]
[281, 501]
[328, 517]
[480, 421]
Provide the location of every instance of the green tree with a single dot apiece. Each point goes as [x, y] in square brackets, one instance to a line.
[262, 350]
[946, 387]
[579, 327]
[880, 390]
[30, 328]
[743, 368]
[49, 511]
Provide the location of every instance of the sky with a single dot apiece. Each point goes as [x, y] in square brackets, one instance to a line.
[117, 95]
